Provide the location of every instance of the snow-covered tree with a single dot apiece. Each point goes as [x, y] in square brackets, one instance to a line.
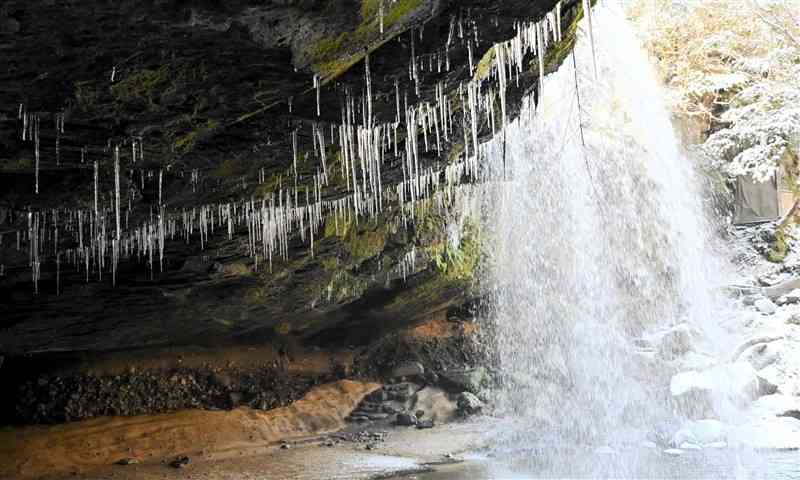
[736, 65]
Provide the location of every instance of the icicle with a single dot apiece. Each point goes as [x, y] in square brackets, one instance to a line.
[113, 74]
[369, 90]
[317, 87]
[36, 142]
[160, 179]
[116, 192]
[294, 154]
[58, 273]
[472, 95]
[540, 46]
[587, 10]
[380, 13]
[471, 62]
[58, 139]
[558, 21]
[96, 210]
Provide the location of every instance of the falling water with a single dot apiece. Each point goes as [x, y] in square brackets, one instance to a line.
[599, 239]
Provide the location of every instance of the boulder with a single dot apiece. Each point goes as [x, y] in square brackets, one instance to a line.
[781, 366]
[468, 404]
[708, 431]
[401, 391]
[776, 405]
[469, 380]
[377, 416]
[781, 289]
[378, 396]
[682, 437]
[790, 298]
[393, 407]
[406, 419]
[436, 404]
[718, 391]
[750, 300]
[662, 434]
[766, 306]
[422, 424]
[676, 342]
[410, 370]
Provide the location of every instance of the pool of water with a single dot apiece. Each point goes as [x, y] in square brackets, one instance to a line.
[545, 463]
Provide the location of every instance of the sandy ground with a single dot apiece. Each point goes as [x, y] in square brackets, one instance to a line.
[405, 450]
[80, 447]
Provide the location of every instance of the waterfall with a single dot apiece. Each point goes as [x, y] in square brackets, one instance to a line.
[598, 240]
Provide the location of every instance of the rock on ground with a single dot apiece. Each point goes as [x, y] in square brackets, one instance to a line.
[723, 390]
[468, 404]
[677, 341]
[435, 404]
[469, 380]
[766, 306]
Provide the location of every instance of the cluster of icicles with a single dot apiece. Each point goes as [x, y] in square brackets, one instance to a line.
[101, 235]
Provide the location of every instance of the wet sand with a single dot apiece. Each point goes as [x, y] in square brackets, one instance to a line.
[405, 451]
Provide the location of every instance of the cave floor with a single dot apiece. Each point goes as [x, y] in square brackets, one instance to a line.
[404, 451]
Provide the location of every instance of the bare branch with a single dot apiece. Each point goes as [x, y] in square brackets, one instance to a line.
[759, 11]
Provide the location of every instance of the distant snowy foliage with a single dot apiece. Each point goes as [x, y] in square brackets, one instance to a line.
[735, 63]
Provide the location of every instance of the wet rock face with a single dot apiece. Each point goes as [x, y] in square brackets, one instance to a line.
[210, 93]
[80, 396]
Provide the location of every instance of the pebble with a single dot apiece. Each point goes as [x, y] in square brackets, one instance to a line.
[180, 462]
[422, 424]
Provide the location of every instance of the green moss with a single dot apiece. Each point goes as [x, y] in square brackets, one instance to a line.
[269, 186]
[141, 85]
[367, 243]
[335, 175]
[330, 264]
[225, 323]
[229, 168]
[558, 52]
[399, 10]
[333, 55]
[338, 226]
[458, 263]
[484, 67]
[186, 142]
[19, 163]
[779, 249]
[237, 269]
[86, 95]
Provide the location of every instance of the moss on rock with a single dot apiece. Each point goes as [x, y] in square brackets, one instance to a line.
[141, 85]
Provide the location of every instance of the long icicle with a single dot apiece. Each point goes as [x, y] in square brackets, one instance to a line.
[587, 10]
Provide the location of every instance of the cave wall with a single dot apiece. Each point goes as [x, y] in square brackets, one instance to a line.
[206, 96]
